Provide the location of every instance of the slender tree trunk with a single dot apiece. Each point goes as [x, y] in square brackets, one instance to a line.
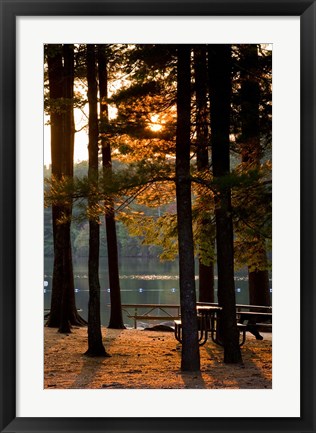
[116, 317]
[220, 92]
[95, 344]
[67, 288]
[190, 360]
[259, 290]
[63, 312]
[55, 73]
[54, 317]
[68, 304]
[206, 271]
[206, 282]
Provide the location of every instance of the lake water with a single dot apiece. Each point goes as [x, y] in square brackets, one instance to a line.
[142, 281]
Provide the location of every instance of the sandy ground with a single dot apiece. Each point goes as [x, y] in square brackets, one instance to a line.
[150, 359]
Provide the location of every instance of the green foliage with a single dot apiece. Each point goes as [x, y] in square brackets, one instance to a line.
[61, 105]
[48, 233]
[252, 204]
[204, 236]
[139, 90]
[161, 231]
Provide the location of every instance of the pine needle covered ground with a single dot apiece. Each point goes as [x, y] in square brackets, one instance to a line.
[150, 359]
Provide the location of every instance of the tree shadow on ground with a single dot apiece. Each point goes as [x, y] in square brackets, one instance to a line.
[243, 374]
[193, 380]
[92, 365]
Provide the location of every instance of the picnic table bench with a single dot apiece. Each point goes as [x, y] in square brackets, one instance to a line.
[256, 322]
[207, 324]
[208, 315]
[257, 318]
[151, 312]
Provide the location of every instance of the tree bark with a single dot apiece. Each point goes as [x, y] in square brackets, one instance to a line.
[95, 344]
[206, 282]
[55, 73]
[190, 359]
[116, 317]
[60, 58]
[206, 272]
[259, 290]
[220, 94]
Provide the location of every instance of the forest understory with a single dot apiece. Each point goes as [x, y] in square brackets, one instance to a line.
[142, 359]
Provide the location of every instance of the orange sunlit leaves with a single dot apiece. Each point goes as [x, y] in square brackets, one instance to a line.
[157, 194]
[126, 149]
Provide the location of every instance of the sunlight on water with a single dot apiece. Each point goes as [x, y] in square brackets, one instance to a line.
[152, 277]
[142, 282]
[149, 277]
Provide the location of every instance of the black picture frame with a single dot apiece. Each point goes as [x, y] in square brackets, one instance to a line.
[10, 9]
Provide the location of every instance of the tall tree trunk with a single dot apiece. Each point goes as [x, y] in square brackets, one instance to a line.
[63, 311]
[259, 290]
[220, 92]
[206, 271]
[68, 289]
[206, 282]
[116, 317]
[55, 73]
[95, 344]
[190, 359]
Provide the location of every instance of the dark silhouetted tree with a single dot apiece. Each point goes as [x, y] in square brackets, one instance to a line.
[95, 344]
[190, 359]
[116, 317]
[60, 61]
[252, 153]
[220, 97]
[206, 270]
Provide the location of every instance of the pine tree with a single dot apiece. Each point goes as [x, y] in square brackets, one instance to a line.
[252, 153]
[219, 62]
[95, 344]
[206, 270]
[60, 61]
[116, 317]
[190, 359]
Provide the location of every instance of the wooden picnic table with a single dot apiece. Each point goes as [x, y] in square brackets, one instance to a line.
[151, 312]
[207, 321]
[254, 313]
[212, 315]
[208, 315]
[255, 321]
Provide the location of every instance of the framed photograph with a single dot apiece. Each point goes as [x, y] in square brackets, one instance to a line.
[30, 402]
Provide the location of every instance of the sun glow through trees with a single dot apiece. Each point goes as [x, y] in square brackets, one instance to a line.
[155, 124]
